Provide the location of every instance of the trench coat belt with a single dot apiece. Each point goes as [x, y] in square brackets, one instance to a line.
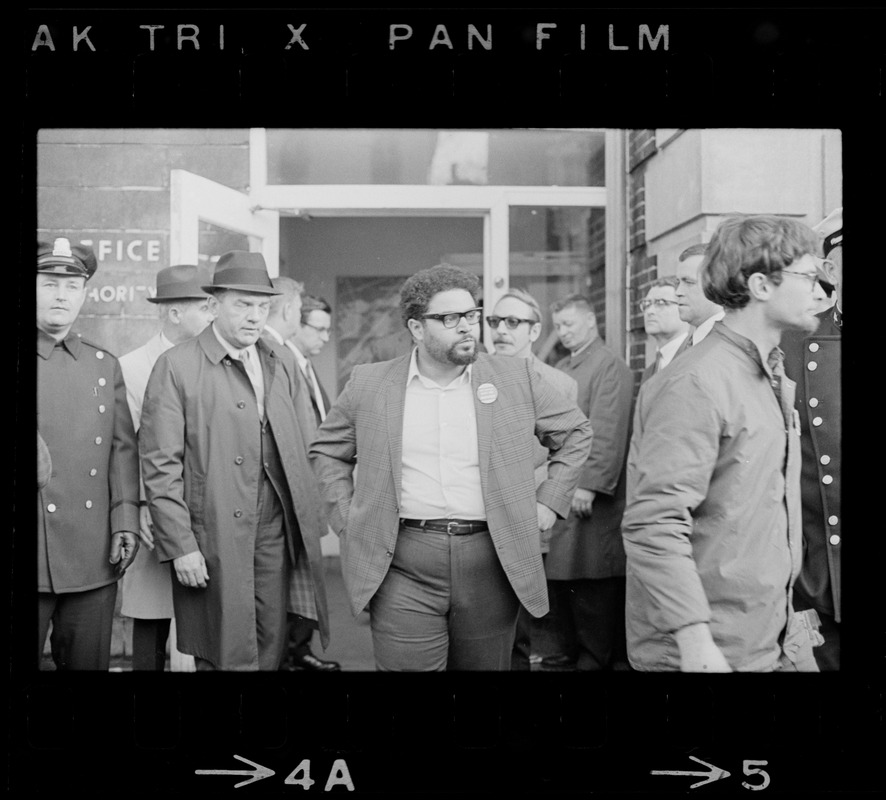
[454, 527]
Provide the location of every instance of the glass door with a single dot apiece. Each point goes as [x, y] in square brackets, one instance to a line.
[208, 219]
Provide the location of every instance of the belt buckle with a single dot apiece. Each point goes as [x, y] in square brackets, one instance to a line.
[449, 524]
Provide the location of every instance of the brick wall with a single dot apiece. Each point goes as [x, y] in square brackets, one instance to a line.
[112, 187]
[643, 267]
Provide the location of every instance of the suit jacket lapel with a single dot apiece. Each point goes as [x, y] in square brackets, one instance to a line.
[396, 399]
[480, 374]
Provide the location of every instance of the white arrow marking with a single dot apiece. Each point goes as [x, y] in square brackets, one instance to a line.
[256, 774]
[714, 774]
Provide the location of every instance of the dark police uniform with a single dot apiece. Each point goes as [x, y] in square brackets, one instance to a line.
[84, 419]
[814, 362]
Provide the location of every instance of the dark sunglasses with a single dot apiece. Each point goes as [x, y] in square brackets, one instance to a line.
[510, 322]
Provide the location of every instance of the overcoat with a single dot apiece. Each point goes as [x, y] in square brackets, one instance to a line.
[147, 584]
[93, 490]
[200, 443]
[814, 362]
[366, 424]
[592, 547]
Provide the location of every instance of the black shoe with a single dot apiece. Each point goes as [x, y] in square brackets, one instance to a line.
[310, 662]
[561, 661]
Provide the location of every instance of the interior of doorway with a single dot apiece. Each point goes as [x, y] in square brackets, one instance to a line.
[357, 264]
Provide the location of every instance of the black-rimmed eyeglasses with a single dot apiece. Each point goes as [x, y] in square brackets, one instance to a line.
[510, 322]
[452, 318]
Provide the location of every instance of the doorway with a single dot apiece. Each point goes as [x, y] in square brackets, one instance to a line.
[357, 264]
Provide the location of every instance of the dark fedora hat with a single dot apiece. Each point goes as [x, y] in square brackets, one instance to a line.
[243, 271]
[63, 258]
[180, 282]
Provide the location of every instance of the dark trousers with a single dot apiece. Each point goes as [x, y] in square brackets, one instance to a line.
[149, 638]
[522, 642]
[271, 572]
[81, 628]
[445, 604]
[590, 613]
[301, 630]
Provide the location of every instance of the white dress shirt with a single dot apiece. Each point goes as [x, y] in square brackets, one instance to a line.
[669, 349]
[253, 369]
[310, 377]
[705, 328]
[440, 477]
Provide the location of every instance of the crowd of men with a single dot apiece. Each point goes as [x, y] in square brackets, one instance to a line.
[694, 527]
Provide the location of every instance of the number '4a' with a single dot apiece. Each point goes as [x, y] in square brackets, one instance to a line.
[338, 775]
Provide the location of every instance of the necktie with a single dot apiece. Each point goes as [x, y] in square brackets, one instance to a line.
[254, 378]
[657, 362]
[315, 388]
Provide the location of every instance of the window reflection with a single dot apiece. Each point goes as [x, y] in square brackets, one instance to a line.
[436, 157]
[555, 252]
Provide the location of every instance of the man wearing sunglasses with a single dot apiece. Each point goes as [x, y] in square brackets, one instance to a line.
[814, 362]
[439, 526]
[515, 325]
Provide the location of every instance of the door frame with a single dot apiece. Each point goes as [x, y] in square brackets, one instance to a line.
[257, 213]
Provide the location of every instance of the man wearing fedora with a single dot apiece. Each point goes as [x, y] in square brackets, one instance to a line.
[184, 310]
[229, 488]
[87, 512]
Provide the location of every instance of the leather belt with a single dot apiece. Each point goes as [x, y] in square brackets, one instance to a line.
[454, 527]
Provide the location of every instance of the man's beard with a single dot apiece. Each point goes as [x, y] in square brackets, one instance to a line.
[451, 355]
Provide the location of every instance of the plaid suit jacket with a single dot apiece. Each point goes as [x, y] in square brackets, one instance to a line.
[365, 426]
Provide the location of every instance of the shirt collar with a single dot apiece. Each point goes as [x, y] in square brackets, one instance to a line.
[234, 352]
[748, 347]
[705, 328]
[165, 342]
[669, 349]
[465, 377]
[300, 357]
[584, 347]
[274, 334]
[46, 344]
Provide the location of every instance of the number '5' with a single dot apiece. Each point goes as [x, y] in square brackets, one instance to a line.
[752, 768]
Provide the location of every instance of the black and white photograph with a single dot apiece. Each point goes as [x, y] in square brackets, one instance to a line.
[329, 392]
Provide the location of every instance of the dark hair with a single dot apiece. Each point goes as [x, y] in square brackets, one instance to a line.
[417, 290]
[693, 250]
[743, 245]
[579, 300]
[309, 303]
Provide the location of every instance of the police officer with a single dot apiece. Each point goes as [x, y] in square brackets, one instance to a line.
[814, 363]
[87, 514]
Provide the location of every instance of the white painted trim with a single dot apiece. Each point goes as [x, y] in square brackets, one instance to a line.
[258, 158]
[617, 267]
[194, 198]
[358, 200]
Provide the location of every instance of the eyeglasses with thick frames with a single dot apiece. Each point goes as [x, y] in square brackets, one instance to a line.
[511, 323]
[659, 303]
[316, 327]
[452, 318]
[813, 279]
